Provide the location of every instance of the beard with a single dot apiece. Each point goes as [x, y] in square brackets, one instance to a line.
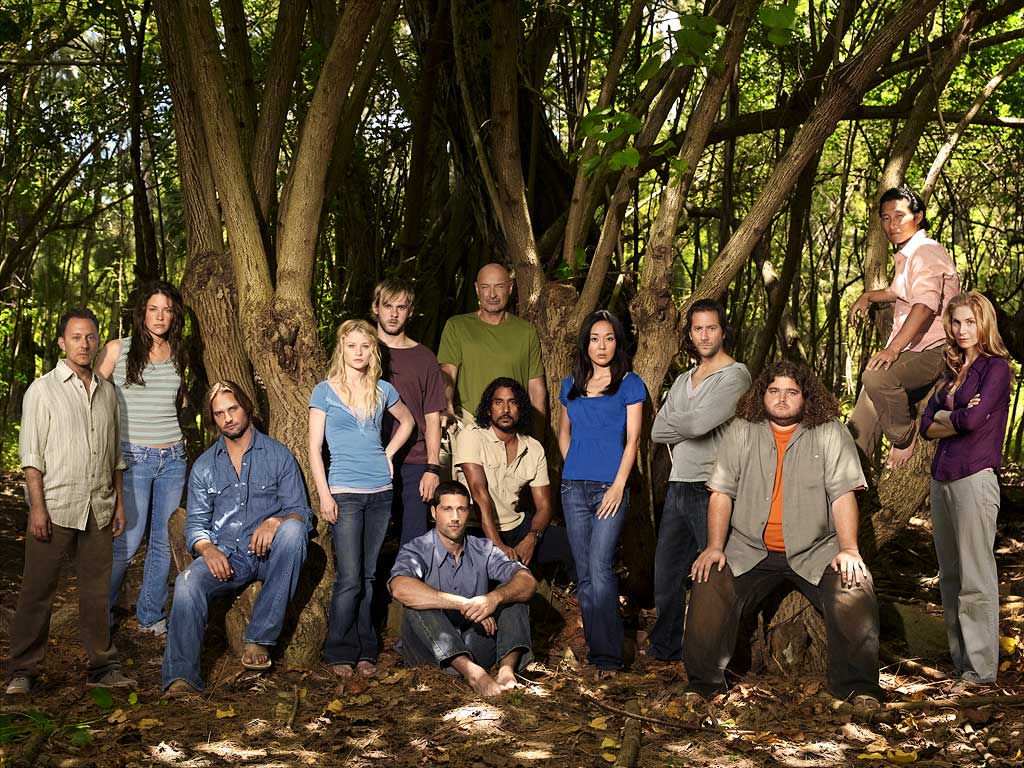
[785, 420]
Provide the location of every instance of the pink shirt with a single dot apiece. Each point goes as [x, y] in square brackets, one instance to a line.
[925, 274]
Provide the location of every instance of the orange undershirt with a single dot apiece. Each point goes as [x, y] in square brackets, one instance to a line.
[773, 531]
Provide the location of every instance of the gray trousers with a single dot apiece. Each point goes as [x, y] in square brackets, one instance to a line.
[964, 523]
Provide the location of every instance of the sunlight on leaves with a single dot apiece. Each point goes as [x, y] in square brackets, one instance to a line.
[335, 706]
[229, 712]
[599, 723]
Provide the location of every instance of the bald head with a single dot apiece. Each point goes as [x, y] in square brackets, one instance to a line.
[493, 288]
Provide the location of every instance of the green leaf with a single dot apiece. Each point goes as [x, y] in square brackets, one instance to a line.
[624, 158]
[133, 698]
[664, 148]
[80, 735]
[591, 166]
[648, 69]
[679, 168]
[102, 697]
[593, 121]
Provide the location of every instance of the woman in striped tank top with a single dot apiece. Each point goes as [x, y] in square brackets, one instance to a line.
[146, 368]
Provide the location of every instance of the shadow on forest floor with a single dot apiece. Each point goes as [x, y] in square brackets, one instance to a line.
[565, 718]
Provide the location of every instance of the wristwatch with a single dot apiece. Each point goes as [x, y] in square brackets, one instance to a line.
[538, 533]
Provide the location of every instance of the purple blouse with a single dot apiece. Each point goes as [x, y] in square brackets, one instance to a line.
[978, 442]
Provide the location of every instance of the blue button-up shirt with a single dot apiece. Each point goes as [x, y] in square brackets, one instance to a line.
[225, 507]
[481, 564]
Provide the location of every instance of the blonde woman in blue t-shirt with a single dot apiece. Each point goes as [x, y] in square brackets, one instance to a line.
[355, 496]
[146, 369]
[598, 434]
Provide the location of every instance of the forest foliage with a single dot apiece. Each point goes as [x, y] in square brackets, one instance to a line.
[93, 195]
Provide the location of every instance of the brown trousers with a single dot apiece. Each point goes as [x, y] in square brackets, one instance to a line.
[91, 550]
[886, 400]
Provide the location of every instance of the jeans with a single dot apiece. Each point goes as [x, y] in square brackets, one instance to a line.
[358, 536]
[407, 506]
[153, 483]
[435, 637]
[552, 548]
[964, 525]
[718, 605]
[594, 543]
[683, 533]
[195, 586]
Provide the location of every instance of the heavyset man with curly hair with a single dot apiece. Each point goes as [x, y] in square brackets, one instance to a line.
[782, 492]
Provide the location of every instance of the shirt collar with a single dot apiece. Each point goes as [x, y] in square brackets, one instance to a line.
[65, 373]
[255, 444]
[441, 551]
[521, 444]
[914, 243]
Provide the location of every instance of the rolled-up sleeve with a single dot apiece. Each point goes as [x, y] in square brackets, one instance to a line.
[843, 471]
[408, 563]
[199, 514]
[499, 567]
[35, 420]
[994, 393]
[926, 276]
[725, 477]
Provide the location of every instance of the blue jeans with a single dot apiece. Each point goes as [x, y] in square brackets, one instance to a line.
[683, 533]
[153, 483]
[594, 543]
[435, 637]
[195, 586]
[358, 536]
[407, 506]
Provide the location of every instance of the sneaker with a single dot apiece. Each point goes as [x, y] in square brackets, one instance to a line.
[113, 679]
[866, 702]
[19, 685]
[159, 629]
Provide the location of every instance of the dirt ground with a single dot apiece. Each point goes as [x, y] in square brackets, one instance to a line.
[563, 718]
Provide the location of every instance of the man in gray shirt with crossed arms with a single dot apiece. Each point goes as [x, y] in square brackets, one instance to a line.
[696, 412]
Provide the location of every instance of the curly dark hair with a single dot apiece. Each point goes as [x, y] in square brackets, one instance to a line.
[483, 410]
[820, 405]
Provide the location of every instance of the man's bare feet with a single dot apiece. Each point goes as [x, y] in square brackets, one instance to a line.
[506, 678]
[484, 684]
[366, 668]
[343, 671]
[900, 456]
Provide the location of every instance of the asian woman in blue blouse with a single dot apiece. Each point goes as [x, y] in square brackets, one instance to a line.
[598, 435]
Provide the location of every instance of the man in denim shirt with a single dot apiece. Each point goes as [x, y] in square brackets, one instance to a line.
[453, 617]
[248, 520]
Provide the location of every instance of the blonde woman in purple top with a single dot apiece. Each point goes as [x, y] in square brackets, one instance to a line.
[968, 413]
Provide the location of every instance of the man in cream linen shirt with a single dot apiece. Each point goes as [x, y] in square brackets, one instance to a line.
[71, 455]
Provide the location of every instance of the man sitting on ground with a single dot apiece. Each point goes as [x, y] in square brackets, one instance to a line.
[453, 617]
[783, 510]
[248, 520]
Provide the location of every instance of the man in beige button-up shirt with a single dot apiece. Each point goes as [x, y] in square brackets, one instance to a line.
[71, 456]
[783, 511]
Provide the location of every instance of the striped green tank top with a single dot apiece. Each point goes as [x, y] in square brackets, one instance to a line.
[149, 415]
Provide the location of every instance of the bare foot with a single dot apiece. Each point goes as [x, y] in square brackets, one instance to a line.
[255, 656]
[366, 668]
[484, 684]
[344, 671]
[900, 456]
[506, 678]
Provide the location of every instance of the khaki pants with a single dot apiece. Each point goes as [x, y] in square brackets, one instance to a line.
[886, 399]
[964, 524]
[91, 550]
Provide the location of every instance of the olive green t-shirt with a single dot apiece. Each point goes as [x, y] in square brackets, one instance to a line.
[483, 352]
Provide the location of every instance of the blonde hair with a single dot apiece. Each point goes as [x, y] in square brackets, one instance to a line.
[990, 343]
[391, 289]
[336, 373]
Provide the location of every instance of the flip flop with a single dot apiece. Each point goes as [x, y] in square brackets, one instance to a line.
[251, 654]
